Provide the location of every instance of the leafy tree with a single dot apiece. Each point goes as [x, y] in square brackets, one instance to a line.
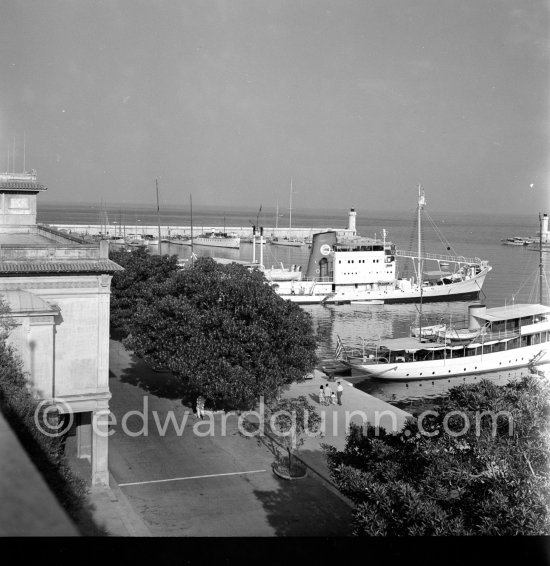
[290, 420]
[224, 332]
[492, 479]
[143, 274]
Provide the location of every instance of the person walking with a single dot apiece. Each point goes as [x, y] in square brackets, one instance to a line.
[200, 406]
[339, 391]
[321, 395]
[333, 398]
[328, 394]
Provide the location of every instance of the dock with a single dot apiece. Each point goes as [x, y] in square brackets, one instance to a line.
[357, 407]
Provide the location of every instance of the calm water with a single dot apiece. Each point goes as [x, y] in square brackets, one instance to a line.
[514, 277]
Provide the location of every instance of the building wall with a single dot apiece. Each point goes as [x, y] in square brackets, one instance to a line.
[67, 357]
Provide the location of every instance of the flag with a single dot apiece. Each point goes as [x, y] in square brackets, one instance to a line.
[340, 349]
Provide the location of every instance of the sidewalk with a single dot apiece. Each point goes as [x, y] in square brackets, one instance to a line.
[357, 407]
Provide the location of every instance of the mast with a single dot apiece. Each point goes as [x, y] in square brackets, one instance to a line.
[191, 209]
[541, 270]
[290, 209]
[421, 203]
[158, 212]
[277, 216]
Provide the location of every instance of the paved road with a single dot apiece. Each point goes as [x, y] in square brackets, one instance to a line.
[183, 484]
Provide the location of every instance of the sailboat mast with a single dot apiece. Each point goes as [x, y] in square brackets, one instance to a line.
[158, 212]
[290, 208]
[421, 203]
[541, 270]
[277, 216]
[191, 209]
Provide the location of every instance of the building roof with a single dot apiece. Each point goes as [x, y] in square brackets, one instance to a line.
[71, 266]
[26, 182]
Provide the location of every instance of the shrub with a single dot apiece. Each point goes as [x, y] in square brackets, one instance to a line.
[491, 480]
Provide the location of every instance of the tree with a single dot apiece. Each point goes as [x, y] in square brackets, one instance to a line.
[224, 332]
[143, 274]
[291, 419]
[441, 479]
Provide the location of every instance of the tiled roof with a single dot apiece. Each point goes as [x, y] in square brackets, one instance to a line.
[21, 185]
[73, 266]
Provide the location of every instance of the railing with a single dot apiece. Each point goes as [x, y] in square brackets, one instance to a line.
[440, 257]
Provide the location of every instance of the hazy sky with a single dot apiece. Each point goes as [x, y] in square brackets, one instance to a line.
[357, 100]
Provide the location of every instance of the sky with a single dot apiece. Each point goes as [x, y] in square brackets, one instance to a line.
[356, 101]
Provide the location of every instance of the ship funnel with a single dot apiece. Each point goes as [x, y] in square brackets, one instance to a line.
[320, 260]
[474, 312]
[352, 221]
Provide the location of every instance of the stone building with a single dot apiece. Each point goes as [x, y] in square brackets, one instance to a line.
[58, 290]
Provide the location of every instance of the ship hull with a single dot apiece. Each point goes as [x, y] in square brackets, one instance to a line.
[234, 243]
[307, 292]
[452, 367]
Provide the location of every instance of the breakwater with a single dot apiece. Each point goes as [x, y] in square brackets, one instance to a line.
[175, 231]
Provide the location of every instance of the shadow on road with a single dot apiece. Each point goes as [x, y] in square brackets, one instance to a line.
[159, 383]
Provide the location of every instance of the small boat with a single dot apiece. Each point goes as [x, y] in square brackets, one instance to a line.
[517, 241]
[136, 240]
[276, 241]
[292, 273]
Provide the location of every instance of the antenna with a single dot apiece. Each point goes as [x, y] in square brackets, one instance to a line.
[24, 147]
[13, 157]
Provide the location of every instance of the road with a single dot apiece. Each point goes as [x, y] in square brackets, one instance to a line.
[189, 483]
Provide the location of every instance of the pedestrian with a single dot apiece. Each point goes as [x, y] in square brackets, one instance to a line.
[339, 391]
[321, 395]
[333, 398]
[200, 406]
[328, 394]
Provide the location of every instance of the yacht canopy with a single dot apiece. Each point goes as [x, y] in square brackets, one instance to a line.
[410, 344]
[512, 311]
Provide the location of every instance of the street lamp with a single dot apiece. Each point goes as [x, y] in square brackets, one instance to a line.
[363, 341]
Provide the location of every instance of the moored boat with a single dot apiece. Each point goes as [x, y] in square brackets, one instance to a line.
[284, 241]
[517, 241]
[218, 240]
[496, 339]
[345, 269]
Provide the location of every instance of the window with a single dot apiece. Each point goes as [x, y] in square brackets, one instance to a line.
[19, 205]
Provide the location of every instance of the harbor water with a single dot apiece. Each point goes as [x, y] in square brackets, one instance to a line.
[513, 279]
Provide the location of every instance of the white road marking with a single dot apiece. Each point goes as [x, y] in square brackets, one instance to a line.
[191, 478]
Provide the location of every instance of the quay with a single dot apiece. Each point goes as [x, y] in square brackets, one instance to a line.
[357, 407]
[117, 231]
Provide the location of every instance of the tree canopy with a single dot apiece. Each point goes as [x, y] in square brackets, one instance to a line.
[143, 272]
[492, 479]
[219, 328]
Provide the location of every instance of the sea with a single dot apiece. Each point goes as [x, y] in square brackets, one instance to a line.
[514, 277]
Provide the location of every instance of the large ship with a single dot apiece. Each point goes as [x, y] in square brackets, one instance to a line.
[493, 339]
[351, 268]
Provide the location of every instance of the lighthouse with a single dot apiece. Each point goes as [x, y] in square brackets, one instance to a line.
[544, 229]
[352, 217]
